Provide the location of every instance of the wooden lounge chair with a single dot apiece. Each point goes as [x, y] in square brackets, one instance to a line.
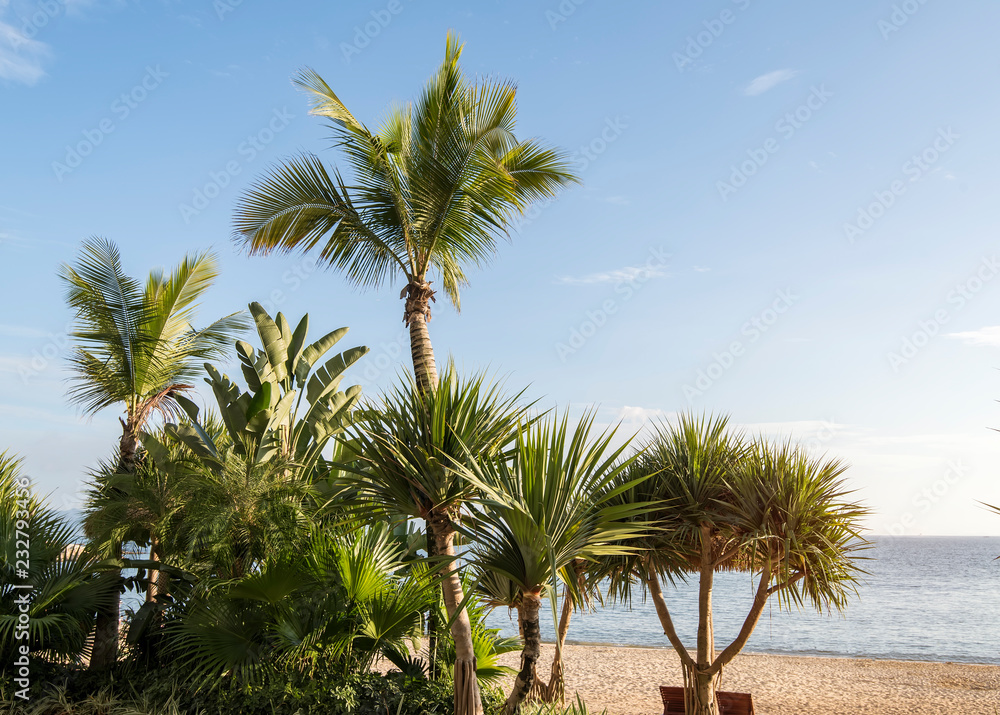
[729, 703]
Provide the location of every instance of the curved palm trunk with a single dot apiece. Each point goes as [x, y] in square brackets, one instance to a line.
[416, 314]
[468, 700]
[530, 605]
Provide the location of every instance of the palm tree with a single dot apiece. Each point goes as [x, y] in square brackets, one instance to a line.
[433, 188]
[731, 504]
[136, 348]
[551, 505]
[411, 448]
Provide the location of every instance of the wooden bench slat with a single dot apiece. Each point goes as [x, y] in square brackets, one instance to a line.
[729, 703]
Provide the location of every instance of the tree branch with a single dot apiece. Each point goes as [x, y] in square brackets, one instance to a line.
[656, 593]
[759, 601]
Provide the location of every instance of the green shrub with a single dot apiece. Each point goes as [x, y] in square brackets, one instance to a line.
[167, 691]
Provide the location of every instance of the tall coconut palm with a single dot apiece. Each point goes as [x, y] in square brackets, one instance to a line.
[432, 190]
[136, 348]
[554, 502]
[412, 448]
[732, 504]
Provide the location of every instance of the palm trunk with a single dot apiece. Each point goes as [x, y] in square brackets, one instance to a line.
[416, 314]
[530, 604]
[106, 629]
[468, 700]
[702, 679]
[157, 579]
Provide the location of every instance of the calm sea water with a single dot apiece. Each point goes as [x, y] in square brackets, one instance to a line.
[926, 598]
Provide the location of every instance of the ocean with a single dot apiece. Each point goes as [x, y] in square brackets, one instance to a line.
[933, 598]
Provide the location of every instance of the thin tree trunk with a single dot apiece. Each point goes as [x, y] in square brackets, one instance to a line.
[468, 700]
[415, 315]
[530, 605]
[105, 651]
[151, 582]
[556, 688]
[432, 614]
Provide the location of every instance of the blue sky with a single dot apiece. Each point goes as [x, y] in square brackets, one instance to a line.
[788, 211]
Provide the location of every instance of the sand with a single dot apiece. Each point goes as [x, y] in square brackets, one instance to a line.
[626, 681]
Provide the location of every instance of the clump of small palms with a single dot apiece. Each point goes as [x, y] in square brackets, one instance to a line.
[552, 501]
[413, 447]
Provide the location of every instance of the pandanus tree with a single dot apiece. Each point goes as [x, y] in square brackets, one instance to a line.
[553, 502]
[734, 504]
[431, 191]
[135, 347]
[414, 449]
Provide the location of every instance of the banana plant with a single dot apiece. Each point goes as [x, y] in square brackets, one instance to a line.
[293, 405]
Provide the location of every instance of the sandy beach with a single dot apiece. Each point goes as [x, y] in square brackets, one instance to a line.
[626, 680]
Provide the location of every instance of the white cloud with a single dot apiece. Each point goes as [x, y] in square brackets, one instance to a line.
[21, 58]
[628, 413]
[628, 274]
[796, 428]
[768, 81]
[21, 331]
[989, 336]
[617, 200]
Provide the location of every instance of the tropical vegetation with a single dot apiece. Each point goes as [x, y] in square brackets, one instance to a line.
[284, 544]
